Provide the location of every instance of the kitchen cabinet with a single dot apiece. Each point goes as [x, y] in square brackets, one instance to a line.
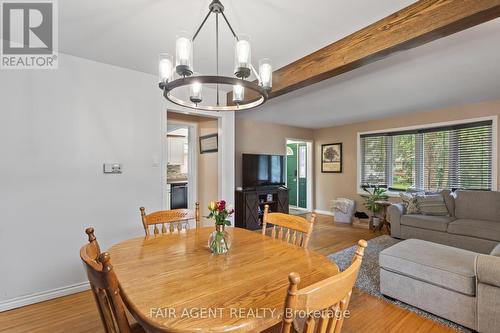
[176, 150]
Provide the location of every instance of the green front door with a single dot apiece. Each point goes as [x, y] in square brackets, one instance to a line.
[291, 173]
[302, 174]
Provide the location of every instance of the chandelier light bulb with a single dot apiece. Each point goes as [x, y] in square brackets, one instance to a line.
[184, 48]
[183, 55]
[243, 57]
[196, 93]
[243, 52]
[266, 73]
[165, 68]
[238, 93]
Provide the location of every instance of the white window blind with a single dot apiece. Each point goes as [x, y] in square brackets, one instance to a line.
[451, 157]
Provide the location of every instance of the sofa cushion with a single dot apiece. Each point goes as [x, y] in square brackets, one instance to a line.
[444, 266]
[496, 251]
[478, 205]
[437, 223]
[432, 204]
[475, 228]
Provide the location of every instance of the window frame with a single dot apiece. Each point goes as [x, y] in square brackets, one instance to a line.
[392, 193]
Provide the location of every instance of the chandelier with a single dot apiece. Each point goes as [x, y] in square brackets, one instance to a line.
[181, 85]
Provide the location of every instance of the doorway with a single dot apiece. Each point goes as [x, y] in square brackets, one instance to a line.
[181, 164]
[299, 173]
[204, 180]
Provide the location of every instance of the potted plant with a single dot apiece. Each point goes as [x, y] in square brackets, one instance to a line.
[374, 193]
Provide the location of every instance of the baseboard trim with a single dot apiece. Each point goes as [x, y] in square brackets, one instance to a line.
[323, 212]
[18, 302]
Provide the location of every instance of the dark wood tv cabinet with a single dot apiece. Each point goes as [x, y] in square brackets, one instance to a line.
[250, 202]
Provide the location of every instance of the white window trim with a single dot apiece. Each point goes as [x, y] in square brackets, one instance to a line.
[494, 154]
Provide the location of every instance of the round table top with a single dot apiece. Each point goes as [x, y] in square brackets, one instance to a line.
[172, 283]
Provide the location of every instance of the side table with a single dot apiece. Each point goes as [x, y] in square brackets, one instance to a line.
[383, 220]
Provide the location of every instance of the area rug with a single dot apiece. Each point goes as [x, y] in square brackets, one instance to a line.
[369, 276]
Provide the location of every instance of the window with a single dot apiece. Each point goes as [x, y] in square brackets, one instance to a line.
[302, 161]
[452, 157]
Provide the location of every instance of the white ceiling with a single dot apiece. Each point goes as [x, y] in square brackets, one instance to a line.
[131, 33]
[460, 69]
[463, 68]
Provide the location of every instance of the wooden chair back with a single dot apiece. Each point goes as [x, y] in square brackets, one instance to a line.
[170, 220]
[325, 302]
[104, 285]
[292, 229]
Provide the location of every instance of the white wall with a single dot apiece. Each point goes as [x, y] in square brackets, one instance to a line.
[57, 127]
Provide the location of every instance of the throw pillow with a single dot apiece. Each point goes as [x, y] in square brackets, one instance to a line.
[410, 202]
[432, 205]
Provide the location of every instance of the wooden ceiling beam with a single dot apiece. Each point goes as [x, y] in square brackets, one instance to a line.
[418, 24]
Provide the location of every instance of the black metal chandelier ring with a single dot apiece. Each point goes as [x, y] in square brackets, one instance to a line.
[169, 87]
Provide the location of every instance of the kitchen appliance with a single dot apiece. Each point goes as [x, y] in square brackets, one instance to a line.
[178, 195]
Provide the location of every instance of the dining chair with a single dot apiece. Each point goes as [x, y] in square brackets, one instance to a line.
[105, 288]
[170, 220]
[290, 228]
[325, 302]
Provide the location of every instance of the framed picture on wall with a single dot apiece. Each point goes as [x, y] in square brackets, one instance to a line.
[331, 158]
[209, 143]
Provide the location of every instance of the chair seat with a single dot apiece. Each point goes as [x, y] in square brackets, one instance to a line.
[476, 228]
[437, 223]
[444, 266]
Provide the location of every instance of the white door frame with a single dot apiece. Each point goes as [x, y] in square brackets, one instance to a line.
[226, 163]
[192, 162]
[309, 166]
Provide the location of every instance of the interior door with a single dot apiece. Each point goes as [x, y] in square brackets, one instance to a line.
[302, 175]
[291, 172]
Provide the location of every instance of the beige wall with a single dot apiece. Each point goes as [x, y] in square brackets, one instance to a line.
[330, 186]
[207, 169]
[263, 138]
[207, 163]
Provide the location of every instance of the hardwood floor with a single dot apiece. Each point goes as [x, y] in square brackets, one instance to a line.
[78, 314]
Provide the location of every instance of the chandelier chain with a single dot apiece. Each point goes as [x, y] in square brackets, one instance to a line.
[217, 51]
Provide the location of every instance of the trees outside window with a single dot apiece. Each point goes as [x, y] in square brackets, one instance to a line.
[451, 157]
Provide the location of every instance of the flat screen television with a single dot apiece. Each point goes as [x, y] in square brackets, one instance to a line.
[263, 170]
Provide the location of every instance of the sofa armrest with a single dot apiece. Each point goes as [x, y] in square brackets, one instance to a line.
[395, 211]
[488, 293]
[488, 270]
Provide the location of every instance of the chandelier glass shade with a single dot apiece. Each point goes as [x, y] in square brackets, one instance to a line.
[183, 86]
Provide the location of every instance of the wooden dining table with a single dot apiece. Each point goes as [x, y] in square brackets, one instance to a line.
[172, 282]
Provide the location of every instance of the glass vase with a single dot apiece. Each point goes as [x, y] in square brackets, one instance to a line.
[219, 241]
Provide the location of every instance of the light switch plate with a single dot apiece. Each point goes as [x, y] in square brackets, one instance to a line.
[112, 168]
[155, 161]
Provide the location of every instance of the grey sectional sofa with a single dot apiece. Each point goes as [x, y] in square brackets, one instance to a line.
[456, 284]
[448, 265]
[473, 224]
